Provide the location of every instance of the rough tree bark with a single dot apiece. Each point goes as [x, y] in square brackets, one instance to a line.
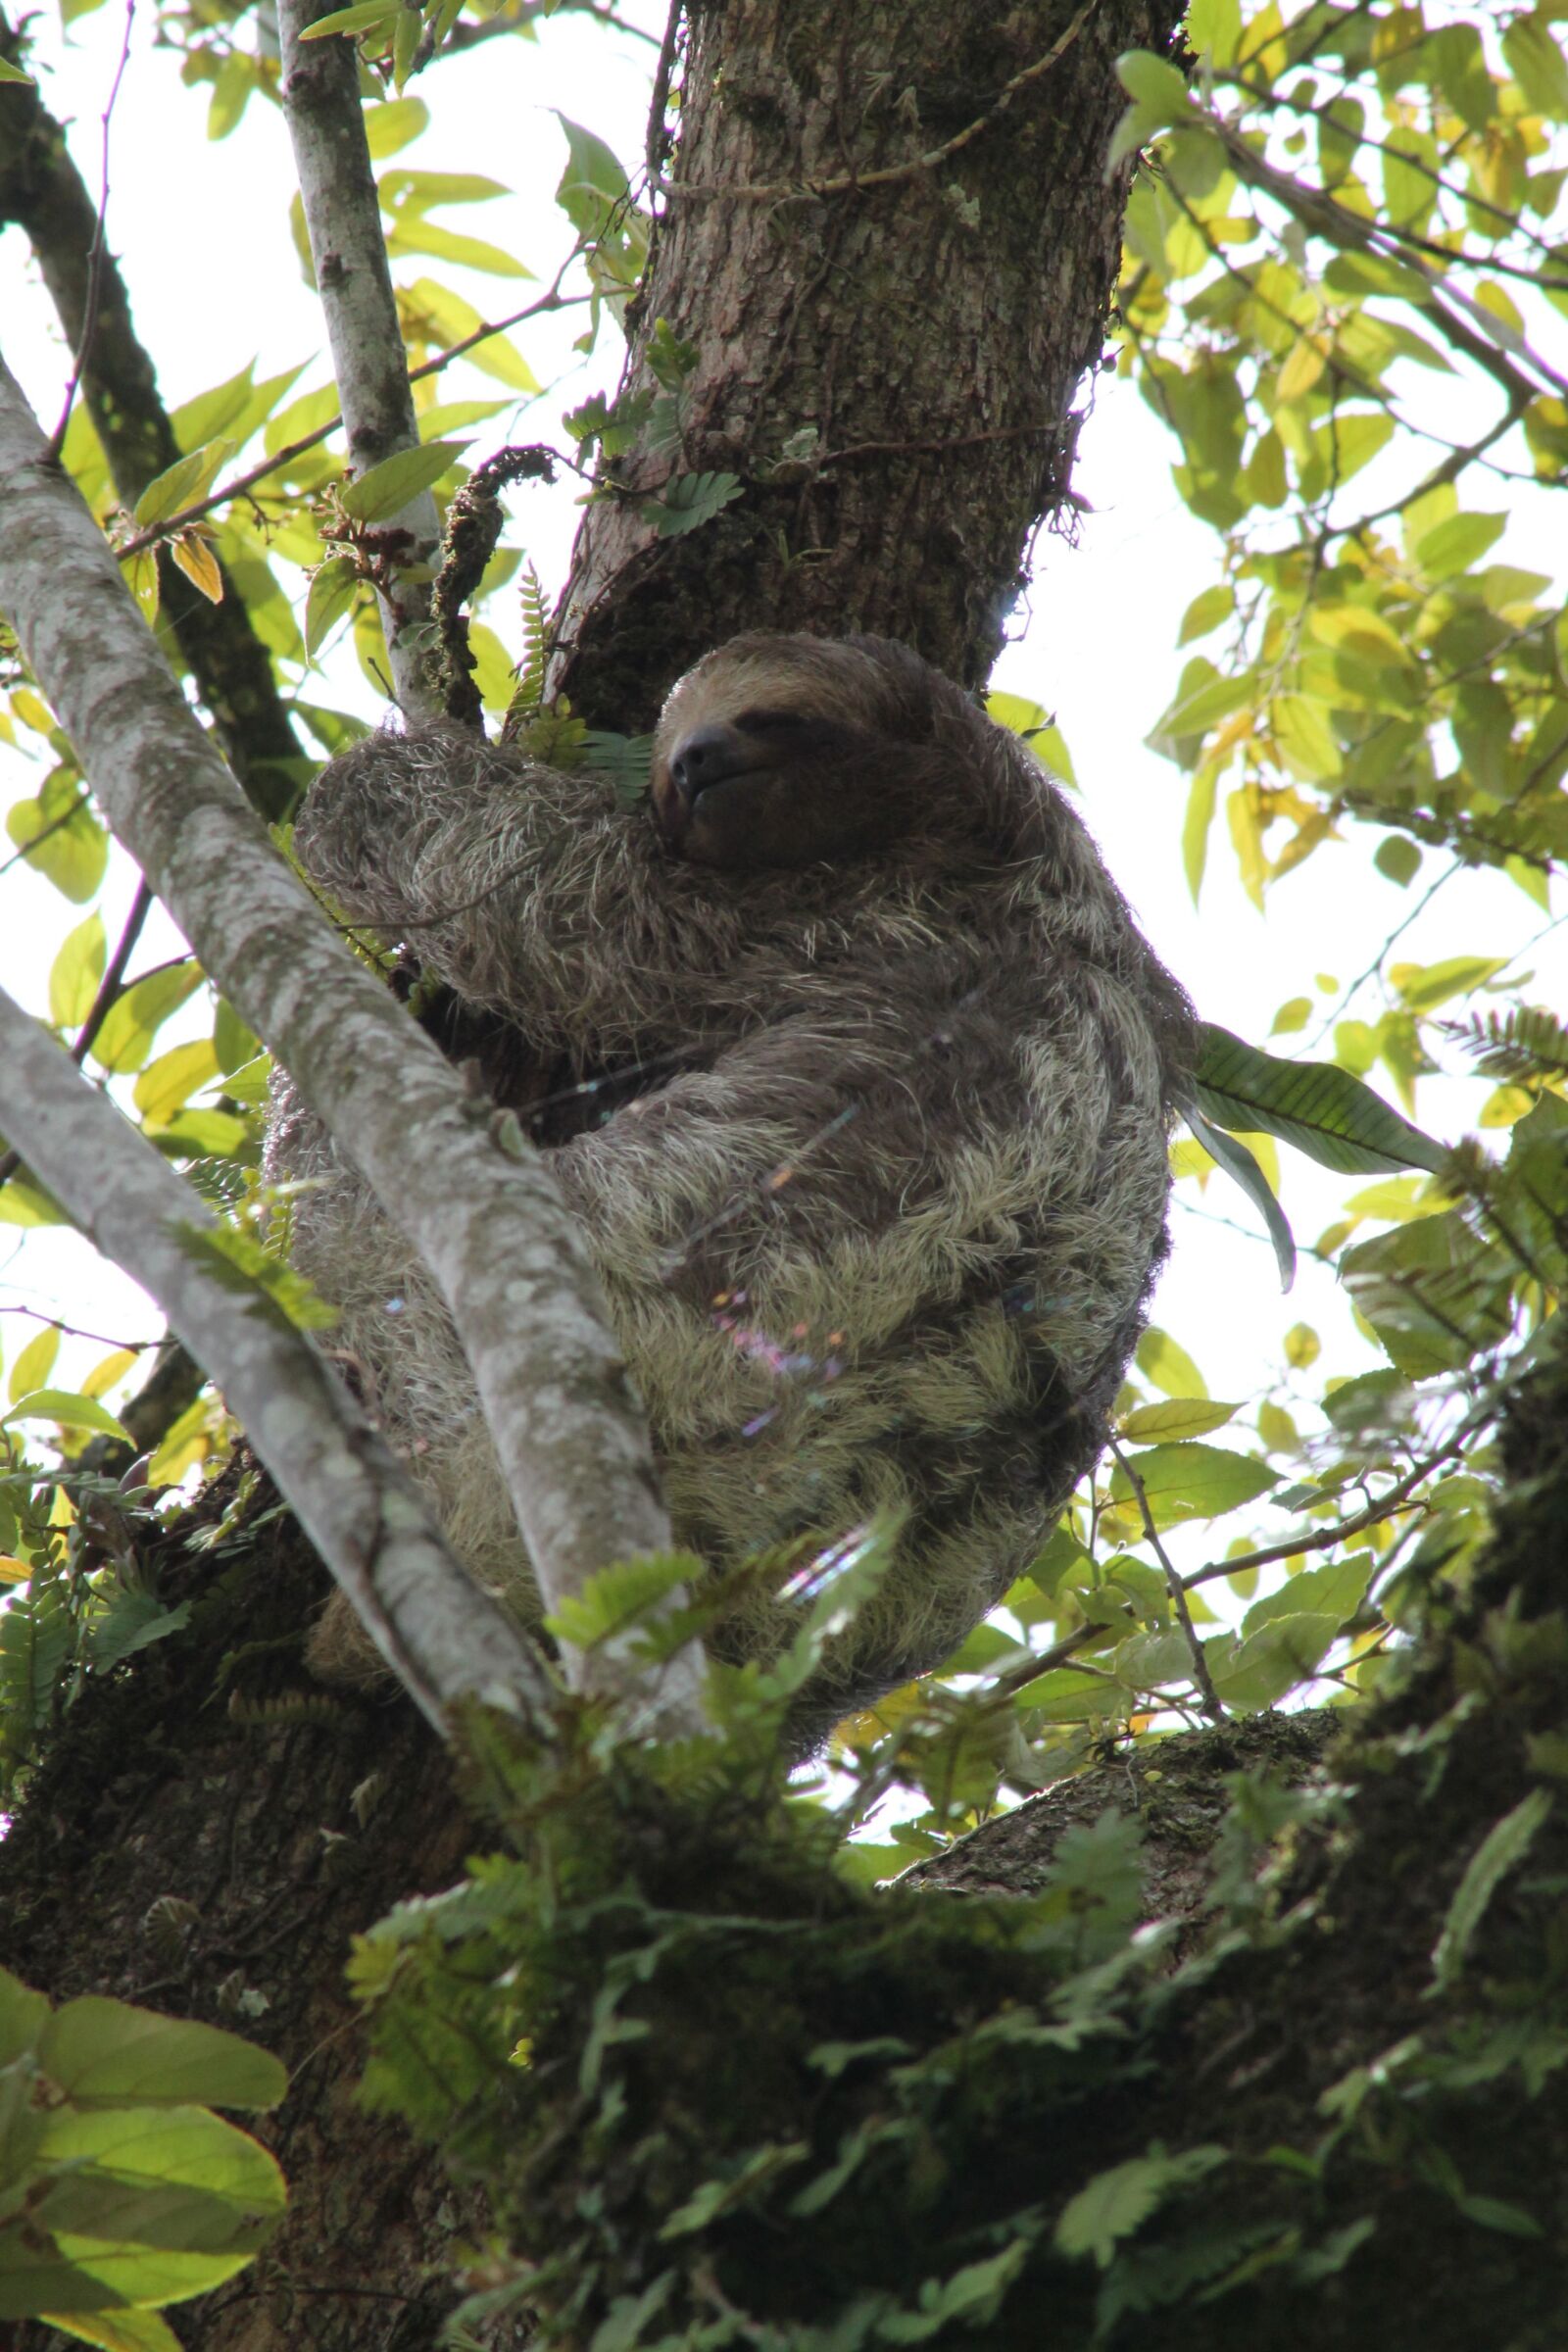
[932, 325]
[889, 237]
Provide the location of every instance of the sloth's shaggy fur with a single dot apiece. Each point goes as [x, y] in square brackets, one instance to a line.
[878, 1232]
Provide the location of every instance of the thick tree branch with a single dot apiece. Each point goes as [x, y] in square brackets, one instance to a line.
[320, 94]
[44, 194]
[447, 1641]
[477, 1204]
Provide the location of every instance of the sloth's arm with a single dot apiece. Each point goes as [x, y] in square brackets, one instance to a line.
[527, 889]
[831, 1126]
[862, 1168]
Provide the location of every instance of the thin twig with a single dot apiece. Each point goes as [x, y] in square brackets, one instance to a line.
[75, 1330]
[1211, 1701]
[657, 143]
[110, 987]
[554, 300]
[1325, 1537]
[95, 258]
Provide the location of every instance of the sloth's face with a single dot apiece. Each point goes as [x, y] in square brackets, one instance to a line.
[772, 787]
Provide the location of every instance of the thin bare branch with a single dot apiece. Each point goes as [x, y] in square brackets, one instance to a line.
[321, 96]
[1212, 1704]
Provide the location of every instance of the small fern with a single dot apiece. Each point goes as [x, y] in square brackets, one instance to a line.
[528, 694]
[1526, 1041]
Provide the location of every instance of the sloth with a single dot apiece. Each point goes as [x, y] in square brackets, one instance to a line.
[851, 1060]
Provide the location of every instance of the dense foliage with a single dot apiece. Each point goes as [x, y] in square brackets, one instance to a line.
[1345, 265]
[1343, 236]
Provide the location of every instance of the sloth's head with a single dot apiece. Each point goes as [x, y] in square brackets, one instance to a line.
[783, 751]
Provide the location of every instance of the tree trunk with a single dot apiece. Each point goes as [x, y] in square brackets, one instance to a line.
[891, 243]
[888, 350]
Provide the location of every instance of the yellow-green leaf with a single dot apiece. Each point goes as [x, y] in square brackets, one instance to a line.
[183, 483]
[173, 1078]
[131, 1022]
[75, 973]
[1181, 1417]
[34, 1364]
[68, 1410]
[386, 489]
[61, 836]
[1169, 1366]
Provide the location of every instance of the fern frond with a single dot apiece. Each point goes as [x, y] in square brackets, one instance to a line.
[1526, 1041]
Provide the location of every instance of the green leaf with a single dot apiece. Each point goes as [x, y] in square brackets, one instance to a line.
[1213, 29]
[969, 2299]
[1169, 1366]
[1504, 1848]
[1335, 1590]
[104, 2053]
[413, 192]
[22, 1203]
[333, 587]
[1322, 1111]
[1256, 1671]
[1145, 1661]
[1454, 546]
[1435, 1292]
[1192, 1482]
[1038, 731]
[34, 1364]
[386, 489]
[61, 836]
[357, 19]
[1425, 986]
[393, 124]
[134, 1019]
[1203, 699]
[235, 408]
[1117, 2203]
[1536, 63]
[117, 2331]
[1207, 612]
[75, 973]
[183, 484]
[132, 1620]
[449, 245]
[23, 2014]
[1155, 85]
[689, 499]
[68, 1411]
[1182, 1417]
[1304, 735]
[173, 1078]
[1072, 1694]
[234, 1044]
[593, 184]
[1195, 825]
[454, 320]
[1241, 1165]
[618, 1597]
[170, 2177]
[1398, 859]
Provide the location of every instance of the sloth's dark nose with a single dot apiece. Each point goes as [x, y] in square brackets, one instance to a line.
[707, 756]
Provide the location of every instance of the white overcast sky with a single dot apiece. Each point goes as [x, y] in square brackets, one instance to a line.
[202, 235]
